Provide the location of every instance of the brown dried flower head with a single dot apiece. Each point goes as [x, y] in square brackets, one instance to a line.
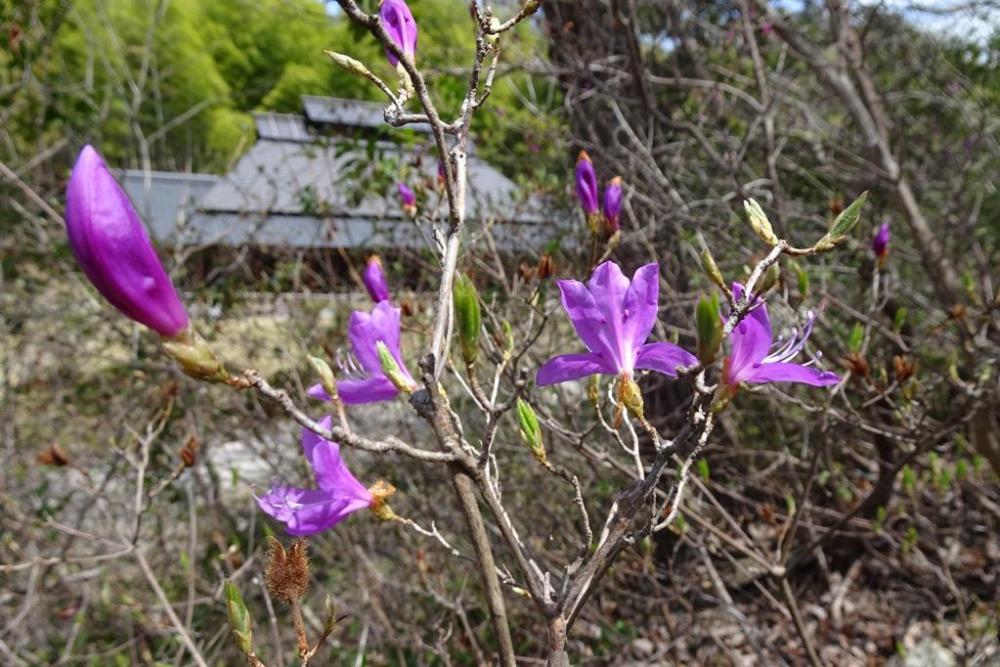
[287, 570]
[53, 455]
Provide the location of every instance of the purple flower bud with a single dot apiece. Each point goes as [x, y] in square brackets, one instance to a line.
[398, 22]
[374, 280]
[407, 198]
[586, 183]
[114, 251]
[880, 242]
[613, 203]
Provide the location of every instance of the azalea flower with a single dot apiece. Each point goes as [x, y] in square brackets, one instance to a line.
[367, 332]
[613, 203]
[112, 247]
[613, 317]
[407, 198]
[880, 242]
[374, 279]
[399, 23]
[586, 184]
[750, 360]
[309, 511]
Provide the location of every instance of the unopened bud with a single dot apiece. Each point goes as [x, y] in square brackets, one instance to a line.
[467, 317]
[712, 269]
[769, 279]
[349, 64]
[239, 618]
[531, 432]
[759, 222]
[194, 356]
[287, 571]
[709, 325]
[492, 36]
[391, 369]
[325, 373]
[189, 452]
[545, 267]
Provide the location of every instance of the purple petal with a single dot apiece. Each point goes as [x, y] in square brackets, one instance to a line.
[406, 195]
[786, 372]
[664, 358]
[586, 183]
[613, 203]
[641, 304]
[317, 391]
[608, 286]
[374, 279]
[399, 23]
[365, 330]
[333, 476]
[571, 367]
[751, 339]
[307, 511]
[114, 251]
[369, 390]
[880, 243]
[586, 316]
[310, 439]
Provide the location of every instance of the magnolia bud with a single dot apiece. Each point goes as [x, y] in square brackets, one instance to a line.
[467, 317]
[709, 325]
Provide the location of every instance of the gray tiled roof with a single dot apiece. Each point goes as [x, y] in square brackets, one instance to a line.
[348, 113]
[302, 188]
[165, 199]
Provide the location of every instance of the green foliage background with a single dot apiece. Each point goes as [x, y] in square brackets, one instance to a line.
[172, 85]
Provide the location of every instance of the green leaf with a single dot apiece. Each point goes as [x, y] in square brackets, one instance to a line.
[709, 325]
[848, 218]
[856, 338]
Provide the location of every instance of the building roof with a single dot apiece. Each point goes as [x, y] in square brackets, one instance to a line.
[309, 183]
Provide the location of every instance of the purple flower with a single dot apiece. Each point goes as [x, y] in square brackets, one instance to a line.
[407, 198]
[752, 361]
[399, 23]
[613, 318]
[613, 203]
[374, 279]
[309, 511]
[586, 183]
[442, 176]
[365, 331]
[113, 249]
[880, 242]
